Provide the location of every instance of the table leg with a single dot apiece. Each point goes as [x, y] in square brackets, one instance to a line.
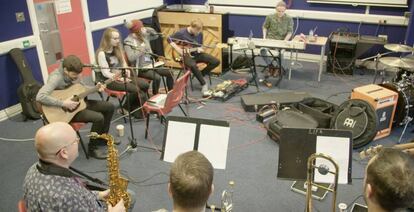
[321, 62]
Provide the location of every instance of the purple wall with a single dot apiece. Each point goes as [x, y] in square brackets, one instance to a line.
[410, 32]
[10, 79]
[8, 20]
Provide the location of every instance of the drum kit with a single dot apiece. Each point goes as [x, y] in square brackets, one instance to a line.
[402, 83]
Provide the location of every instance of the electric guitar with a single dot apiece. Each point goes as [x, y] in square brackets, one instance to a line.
[190, 50]
[77, 93]
[370, 152]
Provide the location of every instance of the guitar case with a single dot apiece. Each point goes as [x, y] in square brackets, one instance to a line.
[28, 90]
[359, 117]
[321, 110]
[290, 118]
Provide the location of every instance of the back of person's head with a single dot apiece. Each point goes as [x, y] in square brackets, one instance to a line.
[72, 64]
[196, 24]
[390, 174]
[191, 180]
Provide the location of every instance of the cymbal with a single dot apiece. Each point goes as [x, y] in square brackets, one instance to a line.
[397, 62]
[410, 57]
[398, 47]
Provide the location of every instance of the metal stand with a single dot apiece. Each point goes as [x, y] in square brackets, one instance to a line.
[408, 120]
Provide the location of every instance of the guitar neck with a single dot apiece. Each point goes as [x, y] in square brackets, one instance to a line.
[93, 90]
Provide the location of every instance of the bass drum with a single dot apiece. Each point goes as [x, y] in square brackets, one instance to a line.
[405, 104]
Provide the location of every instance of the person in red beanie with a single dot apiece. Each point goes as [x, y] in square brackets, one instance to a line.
[139, 53]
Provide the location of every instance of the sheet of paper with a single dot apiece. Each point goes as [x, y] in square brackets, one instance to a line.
[63, 6]
[338, 149]
[213, 143]
[177, 141]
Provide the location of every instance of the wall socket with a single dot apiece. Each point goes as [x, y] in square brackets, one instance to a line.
[383, 36]
[20, 17]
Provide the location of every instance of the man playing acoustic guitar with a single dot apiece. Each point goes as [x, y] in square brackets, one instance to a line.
[188, 38]
[98, 112]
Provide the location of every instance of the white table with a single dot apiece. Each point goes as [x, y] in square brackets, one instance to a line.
[320, 41]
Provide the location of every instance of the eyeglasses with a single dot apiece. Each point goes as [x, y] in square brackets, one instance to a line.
[75, 141]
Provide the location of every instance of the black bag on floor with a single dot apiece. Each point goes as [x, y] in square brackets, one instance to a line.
[359, 117]
[289, 118]
[241, 61]
[321, 110]
[29, 88]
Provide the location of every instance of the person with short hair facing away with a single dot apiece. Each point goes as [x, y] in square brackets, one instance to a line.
[277, 26]
[138, 51]
[389, 181]
[49, 184]
[191, 37]
[98, 112]
[191, 182]
[109, 56]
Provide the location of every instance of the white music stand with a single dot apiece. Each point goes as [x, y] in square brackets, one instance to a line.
[210, 137]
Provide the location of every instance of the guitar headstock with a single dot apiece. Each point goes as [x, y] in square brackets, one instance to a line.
[370, 152]
[222, 45]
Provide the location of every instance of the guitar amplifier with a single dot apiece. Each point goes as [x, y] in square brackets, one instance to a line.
[383, 100]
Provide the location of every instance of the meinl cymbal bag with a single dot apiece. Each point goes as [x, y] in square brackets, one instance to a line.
[359, 117]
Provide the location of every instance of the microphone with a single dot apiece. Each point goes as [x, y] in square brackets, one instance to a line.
[157, 33]
[90, 66]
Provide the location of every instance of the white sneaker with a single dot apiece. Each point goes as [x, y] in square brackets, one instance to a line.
[204, 91]
[204, 88]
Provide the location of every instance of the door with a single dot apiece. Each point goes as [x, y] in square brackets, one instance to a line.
[62, 31]
[49, 33]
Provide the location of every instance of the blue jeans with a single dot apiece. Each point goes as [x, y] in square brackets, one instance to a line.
[269, 60]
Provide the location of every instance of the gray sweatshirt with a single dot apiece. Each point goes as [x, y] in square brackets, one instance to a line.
[135, 49]
[57, 81]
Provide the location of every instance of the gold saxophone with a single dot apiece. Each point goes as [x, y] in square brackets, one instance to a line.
[117, 184]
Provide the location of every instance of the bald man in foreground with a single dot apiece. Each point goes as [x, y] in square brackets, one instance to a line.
[50, 185]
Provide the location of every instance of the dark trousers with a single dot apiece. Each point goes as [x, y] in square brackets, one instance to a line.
[100, 114]
[191, 62]
[136, 95]
[155, 76]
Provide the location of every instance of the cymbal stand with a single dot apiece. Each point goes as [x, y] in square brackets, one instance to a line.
[407, 121]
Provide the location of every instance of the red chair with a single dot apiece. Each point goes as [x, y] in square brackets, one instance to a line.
[172, 99]
[21, 206]
[120, 96]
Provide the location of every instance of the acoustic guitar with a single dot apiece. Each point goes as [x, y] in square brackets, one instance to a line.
[190, 50]
[370, 152]
[77, 93]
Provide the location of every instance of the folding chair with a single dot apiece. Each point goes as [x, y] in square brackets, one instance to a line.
[171, 100]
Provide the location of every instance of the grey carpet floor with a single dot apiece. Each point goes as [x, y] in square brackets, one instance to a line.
[251, 159]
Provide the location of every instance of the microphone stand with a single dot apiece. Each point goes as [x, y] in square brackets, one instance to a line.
[132, 140]
[193, 44]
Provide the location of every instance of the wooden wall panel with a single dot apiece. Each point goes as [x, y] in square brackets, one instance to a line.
[171, 22]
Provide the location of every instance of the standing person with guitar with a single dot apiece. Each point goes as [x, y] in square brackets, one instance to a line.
[109, 56]
[138, 51]
[188, 38]
[98, 112]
